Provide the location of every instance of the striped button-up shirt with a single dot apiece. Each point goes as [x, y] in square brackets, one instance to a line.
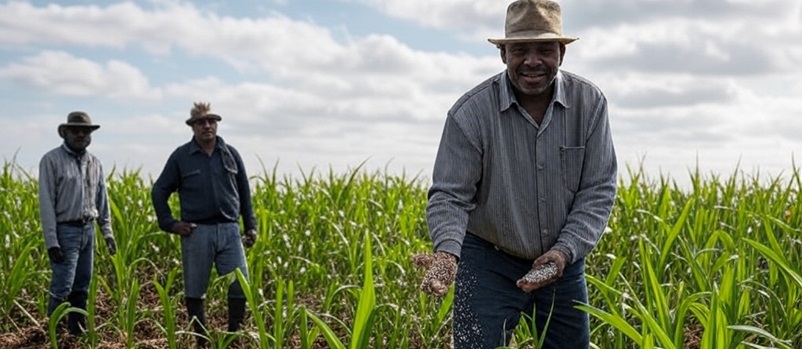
[524, 187]
[71, 188]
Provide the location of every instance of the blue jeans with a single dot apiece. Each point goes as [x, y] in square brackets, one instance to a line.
[488, 304]
[74, 275]
[218, 244]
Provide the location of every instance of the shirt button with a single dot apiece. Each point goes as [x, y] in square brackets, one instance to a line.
[540, 167]
[542, 199]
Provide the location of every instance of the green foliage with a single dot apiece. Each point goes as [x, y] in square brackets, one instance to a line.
[683, 268]
[714, 264]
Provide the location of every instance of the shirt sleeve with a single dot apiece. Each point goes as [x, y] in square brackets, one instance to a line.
[102, 201]
[47, 201]
[457, 172]
[165, 185]
[594, 200]
[244, 191]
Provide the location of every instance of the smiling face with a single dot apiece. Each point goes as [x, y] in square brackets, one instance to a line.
[205, 130]
[532, 66]
[77, 138]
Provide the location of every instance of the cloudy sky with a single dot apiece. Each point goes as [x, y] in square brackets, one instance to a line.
[322, 85]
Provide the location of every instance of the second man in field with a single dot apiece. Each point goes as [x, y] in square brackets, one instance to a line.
[214, 192]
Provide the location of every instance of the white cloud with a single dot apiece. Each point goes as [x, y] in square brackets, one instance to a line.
[456, 15]
[716, 81]
[61, 73]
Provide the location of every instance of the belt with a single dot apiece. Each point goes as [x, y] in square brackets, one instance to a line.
[78, 222]
[213, 221]
[488, 244]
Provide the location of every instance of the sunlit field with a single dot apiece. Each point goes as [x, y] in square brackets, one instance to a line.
[715, 264]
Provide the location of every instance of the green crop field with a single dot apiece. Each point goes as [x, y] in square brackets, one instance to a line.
[715, 265]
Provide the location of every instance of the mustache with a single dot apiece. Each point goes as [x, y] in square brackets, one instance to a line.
[541, 70]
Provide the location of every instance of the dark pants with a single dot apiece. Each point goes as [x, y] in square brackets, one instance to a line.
[488, 304]
[74, 275]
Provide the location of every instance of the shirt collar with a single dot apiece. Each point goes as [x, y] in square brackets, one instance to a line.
[507, 96]
[194, 147]
[72, 153]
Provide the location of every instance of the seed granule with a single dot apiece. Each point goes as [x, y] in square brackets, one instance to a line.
[442, 269]
[541, 273]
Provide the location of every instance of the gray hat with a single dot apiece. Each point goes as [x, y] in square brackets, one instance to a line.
[79, 119]
[531, 21]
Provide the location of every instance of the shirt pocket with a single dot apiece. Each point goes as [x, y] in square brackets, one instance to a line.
[572, 160]
[191, 180]
[231, 169]
[229, 163]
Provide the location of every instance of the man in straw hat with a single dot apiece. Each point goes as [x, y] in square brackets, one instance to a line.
[72, 196]
[214, 192]
[523, 185]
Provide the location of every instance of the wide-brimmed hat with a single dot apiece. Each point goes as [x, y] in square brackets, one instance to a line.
[78, 119]
[533, 20]
[201, 111]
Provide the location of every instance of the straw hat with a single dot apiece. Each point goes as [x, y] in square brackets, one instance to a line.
[201, 111]
[533, 20]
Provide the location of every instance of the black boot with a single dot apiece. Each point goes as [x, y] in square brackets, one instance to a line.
[197, 317]
[236, 313]
[51, 307]
[76, 322]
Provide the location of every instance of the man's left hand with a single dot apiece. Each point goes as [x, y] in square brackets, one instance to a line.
[249, 238]
[111, 244]
[555, 259]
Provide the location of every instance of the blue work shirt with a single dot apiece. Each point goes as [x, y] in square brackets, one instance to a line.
[211, 188]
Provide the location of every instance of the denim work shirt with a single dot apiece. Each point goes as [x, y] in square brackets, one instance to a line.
[211, 188]
[72, 187]
[524, 187]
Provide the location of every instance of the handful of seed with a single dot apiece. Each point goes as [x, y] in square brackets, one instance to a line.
[442, 268]
[541, 273]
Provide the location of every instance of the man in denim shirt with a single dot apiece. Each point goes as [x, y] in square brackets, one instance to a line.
[72, 196]
[523, 185]
[213, 191]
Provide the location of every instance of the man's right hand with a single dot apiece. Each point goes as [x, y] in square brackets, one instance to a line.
[55, 254]
[249, 238]
[442, 269]
[182, 228]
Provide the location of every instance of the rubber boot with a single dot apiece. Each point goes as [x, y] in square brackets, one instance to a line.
[197, 316]
[51, 307]
[236, 313]
[76, 322]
